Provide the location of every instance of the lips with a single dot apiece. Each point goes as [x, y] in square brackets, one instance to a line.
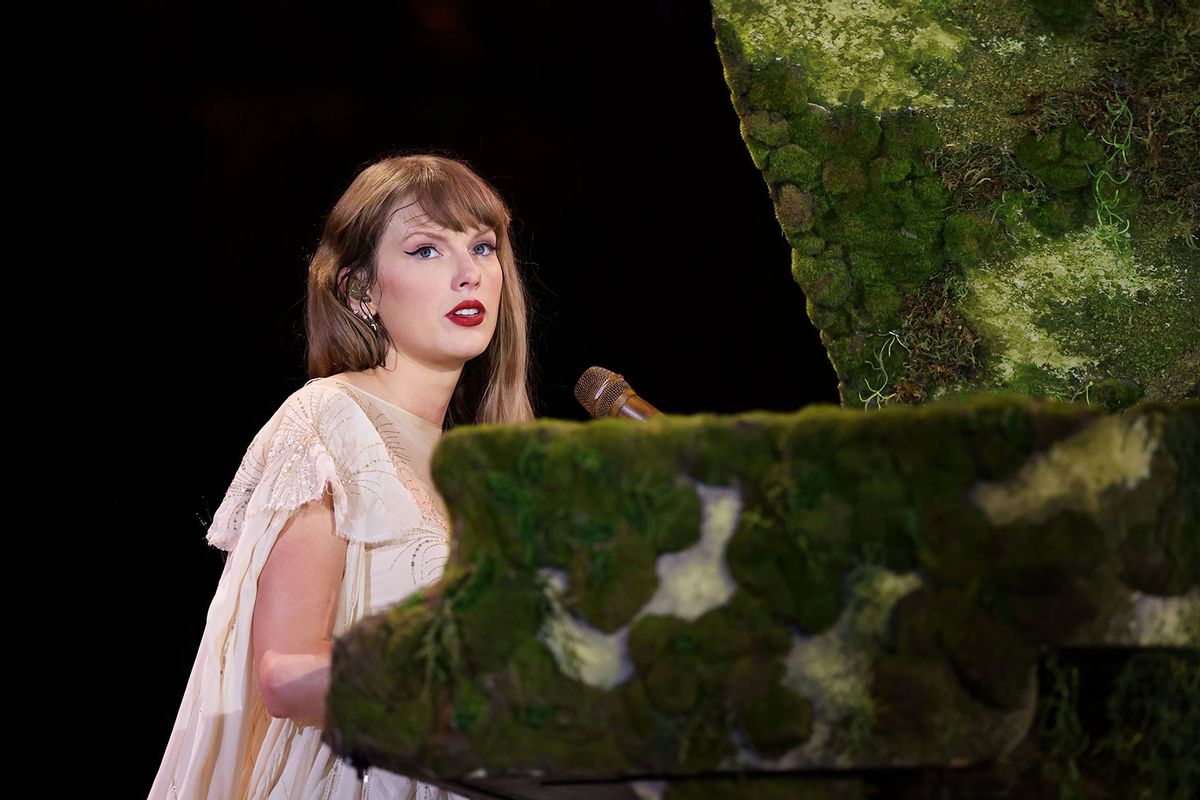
[467, 321]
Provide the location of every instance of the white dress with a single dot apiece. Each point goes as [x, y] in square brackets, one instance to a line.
[374, 456]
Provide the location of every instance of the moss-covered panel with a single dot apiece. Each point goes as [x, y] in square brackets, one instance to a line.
[983, 195]
[840, 565]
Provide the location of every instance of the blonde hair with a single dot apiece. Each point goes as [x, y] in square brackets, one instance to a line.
[493, 387]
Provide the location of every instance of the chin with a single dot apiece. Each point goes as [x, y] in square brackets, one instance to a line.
[467, 355]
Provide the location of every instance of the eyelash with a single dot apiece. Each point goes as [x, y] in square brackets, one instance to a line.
[434, 247]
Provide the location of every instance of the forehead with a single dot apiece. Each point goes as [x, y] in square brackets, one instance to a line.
[411, 217]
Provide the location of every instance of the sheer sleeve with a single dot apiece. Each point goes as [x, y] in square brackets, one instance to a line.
[319, 440]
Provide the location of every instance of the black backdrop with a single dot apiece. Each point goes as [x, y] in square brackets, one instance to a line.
[211, 138]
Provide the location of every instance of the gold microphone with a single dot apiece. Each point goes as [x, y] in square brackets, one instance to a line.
[604, 393]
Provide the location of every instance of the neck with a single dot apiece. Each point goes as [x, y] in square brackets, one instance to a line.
[423, 390]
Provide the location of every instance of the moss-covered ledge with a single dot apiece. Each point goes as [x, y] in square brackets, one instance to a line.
[772, 591]
[983, 194]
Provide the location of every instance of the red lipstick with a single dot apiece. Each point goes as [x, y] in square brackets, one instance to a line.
[467, 320]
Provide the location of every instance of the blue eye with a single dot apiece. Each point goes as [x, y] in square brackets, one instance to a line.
[422, 247]
[491, 249]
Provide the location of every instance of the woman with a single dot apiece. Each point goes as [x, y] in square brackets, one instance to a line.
[416, 320]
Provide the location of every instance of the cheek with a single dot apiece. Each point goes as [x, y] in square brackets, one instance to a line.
[405, 293]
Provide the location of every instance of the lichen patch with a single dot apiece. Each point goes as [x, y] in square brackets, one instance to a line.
[582, 651]
[696, 579]
[1023, 304]
[833, 668]
[870, 45]
[1112, 452]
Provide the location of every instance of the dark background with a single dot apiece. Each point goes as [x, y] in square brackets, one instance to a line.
[212, 139]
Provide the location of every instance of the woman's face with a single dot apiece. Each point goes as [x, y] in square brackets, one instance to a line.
[424, 272]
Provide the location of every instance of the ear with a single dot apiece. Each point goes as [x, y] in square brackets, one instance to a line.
[347, 283]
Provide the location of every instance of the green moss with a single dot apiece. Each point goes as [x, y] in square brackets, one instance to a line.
[953, 541]
[929, 72]
[652, 634]
[843, 516]
[969, 238]
[1076, 306]
[881, 301]
[825, 281]
[677, 698]
[469, 706]
[992, 659]
[912, 630]
[908, 696]
[788, 549]
[669, 517]
[1155, 723]
[1162, 556]
[807, 128]
[766, 128]
[809, 245]
[760, 154]
[882, 508]
[804, 269]
[886, 169]
[738, 71]
[1036, 557]
[1034, 168]
[842, 174]
[931, 192]
[1056, 217]
[774, 717]
[1001, 450]
[1061, 156]
[533, 675]
[839, 43]
[705, 739]
[1059, 727]
[890, 234]
[854, 130]
[473, 585]
[611, 580]
[1116, 394]
[866, 229]
[779, 87]
[792, 164]
[512, 614]
[742, 626]
[801, 590]
[823, 318]
[796, 210]
[539, 718]
[908, 135]
[1053, 613]
[1065, 15]
[673, 685]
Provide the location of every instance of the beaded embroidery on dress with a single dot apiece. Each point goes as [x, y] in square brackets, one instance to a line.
[374, 458]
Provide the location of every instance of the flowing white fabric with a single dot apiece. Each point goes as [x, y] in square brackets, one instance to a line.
[374, 457]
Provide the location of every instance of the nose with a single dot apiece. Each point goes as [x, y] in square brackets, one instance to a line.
[469, 273]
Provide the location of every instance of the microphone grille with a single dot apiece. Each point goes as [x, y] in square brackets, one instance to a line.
[598, 389]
